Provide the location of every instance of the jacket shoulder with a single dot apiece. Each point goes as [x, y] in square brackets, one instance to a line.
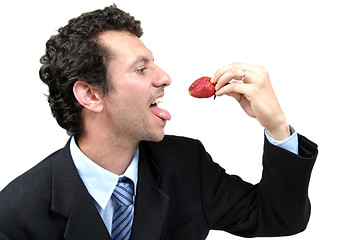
[28, 189]
[25, 202]
[31, 177]
[174, 150]
[174, 141]
[174, 145]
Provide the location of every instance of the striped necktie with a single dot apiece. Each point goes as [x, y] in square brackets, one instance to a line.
[124, 210]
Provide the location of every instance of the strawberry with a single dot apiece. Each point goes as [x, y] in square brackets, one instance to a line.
[202, 88]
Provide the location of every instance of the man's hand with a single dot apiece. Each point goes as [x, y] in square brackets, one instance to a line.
[255, 94]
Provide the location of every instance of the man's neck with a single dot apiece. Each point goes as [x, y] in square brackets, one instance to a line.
[112, 155]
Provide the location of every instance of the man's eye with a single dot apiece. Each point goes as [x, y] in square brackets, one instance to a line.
[140, 70]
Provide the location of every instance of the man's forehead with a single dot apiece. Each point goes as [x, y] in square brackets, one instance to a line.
[124, 43]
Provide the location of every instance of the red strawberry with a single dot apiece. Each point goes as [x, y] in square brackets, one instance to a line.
[202, 88]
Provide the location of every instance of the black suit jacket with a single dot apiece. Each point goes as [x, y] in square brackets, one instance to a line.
[181, 194]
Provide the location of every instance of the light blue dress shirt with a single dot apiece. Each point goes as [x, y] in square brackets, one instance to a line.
[101, 183]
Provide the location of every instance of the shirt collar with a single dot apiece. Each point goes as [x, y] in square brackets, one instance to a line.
[100, 182]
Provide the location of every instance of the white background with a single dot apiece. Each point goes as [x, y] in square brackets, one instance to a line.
[310, 49]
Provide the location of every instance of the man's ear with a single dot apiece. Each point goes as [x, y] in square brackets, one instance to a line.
[90, 97]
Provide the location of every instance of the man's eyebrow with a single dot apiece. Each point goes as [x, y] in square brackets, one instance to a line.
[139, 60]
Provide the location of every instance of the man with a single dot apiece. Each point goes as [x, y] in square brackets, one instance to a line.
[119, 177]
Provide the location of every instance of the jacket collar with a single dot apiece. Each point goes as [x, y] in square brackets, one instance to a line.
[70, 198]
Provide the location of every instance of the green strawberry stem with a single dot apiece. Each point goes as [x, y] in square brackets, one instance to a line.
[214, 87]
[215, 91]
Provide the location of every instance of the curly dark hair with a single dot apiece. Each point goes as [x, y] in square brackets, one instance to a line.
[75, 54]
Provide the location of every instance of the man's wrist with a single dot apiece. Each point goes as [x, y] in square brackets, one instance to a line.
[291, 143]
[280, 133]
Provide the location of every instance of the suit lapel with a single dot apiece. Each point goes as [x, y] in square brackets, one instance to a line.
[151, 202]
[71, 199]
[84, 221]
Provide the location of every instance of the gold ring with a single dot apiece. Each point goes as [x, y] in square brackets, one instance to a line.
[243, 75]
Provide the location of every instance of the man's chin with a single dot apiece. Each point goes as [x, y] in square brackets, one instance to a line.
[159, 138]
[156, 137]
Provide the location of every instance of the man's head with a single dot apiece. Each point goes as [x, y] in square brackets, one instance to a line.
[75, 54]
[101, 76]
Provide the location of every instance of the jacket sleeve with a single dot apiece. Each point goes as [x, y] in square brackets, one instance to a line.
[277, 206]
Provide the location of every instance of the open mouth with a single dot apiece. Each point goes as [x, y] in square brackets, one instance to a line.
[160, 113]
[157, 101]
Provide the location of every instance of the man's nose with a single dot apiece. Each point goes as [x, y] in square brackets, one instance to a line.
[162, 79]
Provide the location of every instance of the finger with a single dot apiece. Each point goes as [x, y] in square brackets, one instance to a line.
[238, 74]
[235, 87]
[239, 65]
[221, 71]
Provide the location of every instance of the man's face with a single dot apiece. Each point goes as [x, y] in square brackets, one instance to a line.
[135, 84]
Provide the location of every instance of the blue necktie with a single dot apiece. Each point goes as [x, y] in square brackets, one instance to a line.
[124, 210]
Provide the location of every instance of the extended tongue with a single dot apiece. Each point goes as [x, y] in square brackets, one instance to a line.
[161, 113]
